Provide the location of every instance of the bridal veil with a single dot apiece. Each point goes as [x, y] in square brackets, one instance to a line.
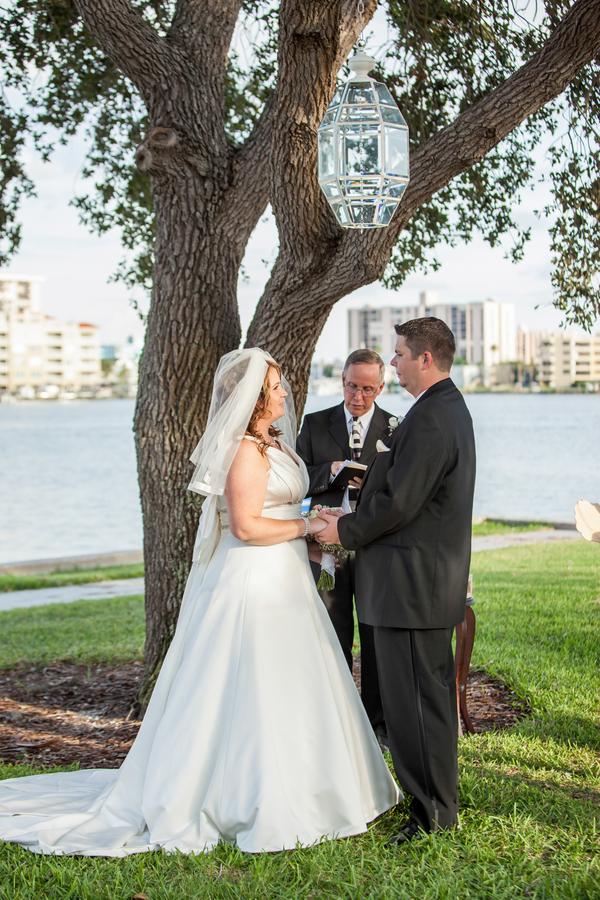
[238, 382]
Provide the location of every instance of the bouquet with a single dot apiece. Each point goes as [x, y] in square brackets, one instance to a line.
[331, 552]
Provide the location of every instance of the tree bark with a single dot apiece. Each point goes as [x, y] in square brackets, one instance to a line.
[208, 198]
[193, 321]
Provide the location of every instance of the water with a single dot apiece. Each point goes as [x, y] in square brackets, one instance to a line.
[67, 479]
[68, 473]
[537, 454]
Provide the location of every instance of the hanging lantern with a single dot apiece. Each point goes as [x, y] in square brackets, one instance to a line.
[363, 150]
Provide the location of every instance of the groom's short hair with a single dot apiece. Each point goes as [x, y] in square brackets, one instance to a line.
[366, 357]
[430, 334]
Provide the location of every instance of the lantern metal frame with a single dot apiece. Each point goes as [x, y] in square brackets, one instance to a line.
[363, 150]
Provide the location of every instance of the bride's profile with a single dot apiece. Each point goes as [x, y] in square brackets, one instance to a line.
[255, 733]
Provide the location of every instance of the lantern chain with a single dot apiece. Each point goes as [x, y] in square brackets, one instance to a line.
[361, 23]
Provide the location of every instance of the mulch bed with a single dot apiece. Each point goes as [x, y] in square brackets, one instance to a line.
[65, 713]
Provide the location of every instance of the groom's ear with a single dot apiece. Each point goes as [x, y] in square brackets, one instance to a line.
[428, 360]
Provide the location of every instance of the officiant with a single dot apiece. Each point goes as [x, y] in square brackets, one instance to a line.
[348, 431]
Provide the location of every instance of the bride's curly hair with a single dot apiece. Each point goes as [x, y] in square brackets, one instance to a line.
[261, 409]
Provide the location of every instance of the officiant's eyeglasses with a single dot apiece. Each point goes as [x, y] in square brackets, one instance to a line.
[366, 392]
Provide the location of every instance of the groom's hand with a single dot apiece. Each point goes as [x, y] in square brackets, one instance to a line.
[330, 534]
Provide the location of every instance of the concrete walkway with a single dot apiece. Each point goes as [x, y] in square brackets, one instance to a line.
[498, 541]
[101, 590]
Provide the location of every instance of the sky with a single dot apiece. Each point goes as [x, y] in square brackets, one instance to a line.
[76, 265]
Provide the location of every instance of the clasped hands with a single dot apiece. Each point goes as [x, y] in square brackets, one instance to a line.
[329, 534]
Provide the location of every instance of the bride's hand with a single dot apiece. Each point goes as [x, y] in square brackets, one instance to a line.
[317, 525]
[333, 513]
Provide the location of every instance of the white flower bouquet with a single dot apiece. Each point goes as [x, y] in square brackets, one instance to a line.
[330, 553]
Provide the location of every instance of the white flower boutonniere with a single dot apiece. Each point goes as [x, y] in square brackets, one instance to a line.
[393, 423]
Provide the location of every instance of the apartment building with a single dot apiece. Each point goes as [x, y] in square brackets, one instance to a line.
[484, 331]
[565, 358]
[37, 350]
[528, 345]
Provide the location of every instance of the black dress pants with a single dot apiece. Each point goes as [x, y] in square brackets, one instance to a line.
[340, 606]
[418, 690]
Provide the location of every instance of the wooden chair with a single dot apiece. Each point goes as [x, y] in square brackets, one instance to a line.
[465, 638]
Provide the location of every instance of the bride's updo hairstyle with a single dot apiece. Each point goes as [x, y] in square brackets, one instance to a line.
[262, 409]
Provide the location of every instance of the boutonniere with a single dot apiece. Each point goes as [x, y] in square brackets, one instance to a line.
[393, 423]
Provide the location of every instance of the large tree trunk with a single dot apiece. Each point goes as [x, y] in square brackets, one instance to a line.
[193, 321]
[208, 198]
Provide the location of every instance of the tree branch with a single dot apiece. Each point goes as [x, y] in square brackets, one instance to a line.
[300, 108]
[204, 28]
[454, 149]
[350, 27]
[308, 52]
[131, 42]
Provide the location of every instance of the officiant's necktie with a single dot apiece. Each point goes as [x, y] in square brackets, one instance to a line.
[356, 441]
[356, 445]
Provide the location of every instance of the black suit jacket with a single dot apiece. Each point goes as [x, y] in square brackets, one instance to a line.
[412, 525]
[323, 439]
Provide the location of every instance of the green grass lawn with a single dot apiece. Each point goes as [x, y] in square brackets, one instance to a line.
[61, 579]
[86, 631]
[530, 797]
[489, 526]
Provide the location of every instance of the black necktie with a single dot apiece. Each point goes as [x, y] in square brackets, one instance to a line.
[356, 442]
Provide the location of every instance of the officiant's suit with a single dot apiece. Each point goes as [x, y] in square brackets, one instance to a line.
[324, 439]
[412, 535]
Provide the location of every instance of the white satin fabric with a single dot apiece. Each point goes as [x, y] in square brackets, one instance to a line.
[255, 733]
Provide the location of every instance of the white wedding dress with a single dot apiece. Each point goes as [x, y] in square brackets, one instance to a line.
[255, 733]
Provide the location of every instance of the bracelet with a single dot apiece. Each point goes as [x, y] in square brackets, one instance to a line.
[306, 524]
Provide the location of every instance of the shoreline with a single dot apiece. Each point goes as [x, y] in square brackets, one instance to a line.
[333, 391]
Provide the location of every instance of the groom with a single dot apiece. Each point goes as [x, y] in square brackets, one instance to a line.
[412, 534]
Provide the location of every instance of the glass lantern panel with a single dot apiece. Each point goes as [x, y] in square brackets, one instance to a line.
[329, 116]
[389, 115]
[386, 212]
[360, 114]
[340, 212]
[393, 189]
[331, 190]
[360, 92]
[396, 150]
[326, 152]
[337, 96]
[359, 150]
[384, 95]
[366, 188]
[362, 213]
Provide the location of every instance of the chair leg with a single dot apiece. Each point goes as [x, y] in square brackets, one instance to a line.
[467, 649]
[459, 654]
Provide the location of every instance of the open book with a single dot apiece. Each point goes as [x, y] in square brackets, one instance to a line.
[349, 470]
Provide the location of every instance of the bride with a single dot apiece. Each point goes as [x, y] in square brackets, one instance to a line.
[255, 733]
